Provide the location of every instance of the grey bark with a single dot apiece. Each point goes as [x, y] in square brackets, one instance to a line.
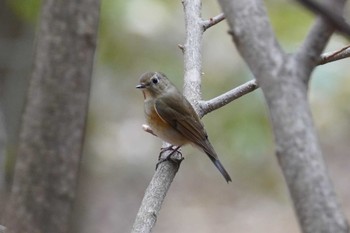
[16, 39]
[284, 82]
[154, 196]
[54, 120]
[270, 63]
[163, 177]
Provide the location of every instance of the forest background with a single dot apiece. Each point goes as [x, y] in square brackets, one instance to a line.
[119, 158]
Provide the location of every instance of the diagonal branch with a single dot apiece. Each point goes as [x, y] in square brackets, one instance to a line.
[333, 17]
[226, 98]
[250, 25]
[212, 21]
[309, 52]
[335, 56]
[154, 196]
[319, 34]
[222, 100]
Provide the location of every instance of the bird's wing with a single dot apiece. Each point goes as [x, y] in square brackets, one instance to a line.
[179, 114]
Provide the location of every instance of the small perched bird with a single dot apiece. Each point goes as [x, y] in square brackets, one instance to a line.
[172, 118]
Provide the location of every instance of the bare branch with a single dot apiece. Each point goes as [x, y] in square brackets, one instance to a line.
[181, 47]
[335, 56]
[148, 129]
[253, 35]
[192, 53]
[154, 197]
[262, 63]
[315, 41]
[282, 79]
[164, 175]
[212, 21]
[226, 98]
[333, 17]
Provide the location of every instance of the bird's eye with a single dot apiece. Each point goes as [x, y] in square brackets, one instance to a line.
[155, 80]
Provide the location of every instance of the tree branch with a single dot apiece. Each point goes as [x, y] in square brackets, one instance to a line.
[226, 98]
[334, 56]
[266, 64]
[317, 38]
[148, 129]
[332, 17]
[257, 25]
[192, 51]
[221, 100]
[154, 196]
[212, 21]
[282, 79]
[53, 121]
[164, 175]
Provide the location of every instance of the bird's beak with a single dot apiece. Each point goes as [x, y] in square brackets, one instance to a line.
[141, 86]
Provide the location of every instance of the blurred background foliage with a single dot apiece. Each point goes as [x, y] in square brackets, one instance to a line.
[119, 158]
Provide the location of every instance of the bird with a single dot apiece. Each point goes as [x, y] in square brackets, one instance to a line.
[173, 119]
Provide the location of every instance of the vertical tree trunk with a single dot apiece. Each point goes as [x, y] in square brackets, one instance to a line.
[284, 81]
[54, 119]
[16, 46]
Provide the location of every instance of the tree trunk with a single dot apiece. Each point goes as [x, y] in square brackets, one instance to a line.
[16, 46]
[54, 120]
[284, 81]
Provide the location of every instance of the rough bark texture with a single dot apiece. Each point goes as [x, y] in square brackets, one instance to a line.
[154, 196]
[54, 119]
[193, 52]
[284, 82]
[16, 46]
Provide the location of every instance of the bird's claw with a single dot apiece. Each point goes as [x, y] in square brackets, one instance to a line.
[164, 149]
[168, 157]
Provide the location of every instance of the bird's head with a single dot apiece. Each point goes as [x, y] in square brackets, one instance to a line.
[154, 84]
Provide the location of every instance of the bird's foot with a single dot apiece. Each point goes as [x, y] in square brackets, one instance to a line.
[165, 149]
[168, 157]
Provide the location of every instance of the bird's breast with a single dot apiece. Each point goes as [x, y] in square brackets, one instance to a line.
[161, 128]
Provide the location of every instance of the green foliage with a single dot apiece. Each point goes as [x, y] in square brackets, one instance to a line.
[28, 10]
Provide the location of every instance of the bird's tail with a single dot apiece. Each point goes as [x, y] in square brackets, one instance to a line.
[207, 148]
[220, 167]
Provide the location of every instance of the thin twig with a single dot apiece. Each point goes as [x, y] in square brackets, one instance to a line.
[212, 21]
[335, 56]
[148, 129]
[222, 100]
[226, 98]
[181, 47]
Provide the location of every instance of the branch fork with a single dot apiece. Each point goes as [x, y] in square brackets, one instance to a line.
[195, 27]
